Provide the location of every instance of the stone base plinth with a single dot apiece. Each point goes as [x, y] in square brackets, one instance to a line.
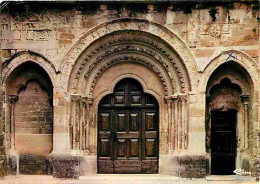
[183, 166]
[65, 166]
[13, 162]
[88, 165]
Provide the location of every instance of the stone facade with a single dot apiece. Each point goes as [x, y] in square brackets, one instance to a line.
[58, 60]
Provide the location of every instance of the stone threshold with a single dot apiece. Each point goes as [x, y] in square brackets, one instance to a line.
[130, 177]
[229, 178]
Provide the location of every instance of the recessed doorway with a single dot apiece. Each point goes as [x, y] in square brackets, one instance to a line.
[128, 123]
[223, 142]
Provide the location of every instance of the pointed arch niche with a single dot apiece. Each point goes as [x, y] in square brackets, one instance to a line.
[29, 118]
[229, 117]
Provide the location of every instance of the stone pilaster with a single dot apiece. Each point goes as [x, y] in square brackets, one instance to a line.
[64, 162]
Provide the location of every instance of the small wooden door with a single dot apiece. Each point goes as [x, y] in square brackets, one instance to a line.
[223, 142]
[128, 131]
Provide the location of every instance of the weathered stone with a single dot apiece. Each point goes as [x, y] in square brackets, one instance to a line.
[59, 63]
[65, 166]
[193, 166]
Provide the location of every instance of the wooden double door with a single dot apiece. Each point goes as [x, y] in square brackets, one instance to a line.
[128, 130]
[223, 142]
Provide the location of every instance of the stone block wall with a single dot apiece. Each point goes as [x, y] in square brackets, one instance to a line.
[50, 34]
[3, 161]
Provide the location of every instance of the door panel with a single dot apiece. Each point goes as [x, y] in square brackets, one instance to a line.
[149, 121]
[223, 142]
[134, 148]
[105, 147]
[128, 131]
[121, 148]
[133, 121]
[105, 121]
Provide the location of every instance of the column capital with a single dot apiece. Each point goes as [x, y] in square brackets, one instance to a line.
[75, 97]
[87, 100]
[245, 99]
[13, 98]
[182, 96]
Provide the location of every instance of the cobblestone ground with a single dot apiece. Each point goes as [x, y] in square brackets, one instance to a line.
[126, 179]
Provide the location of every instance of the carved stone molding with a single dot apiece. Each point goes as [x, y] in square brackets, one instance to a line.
[130, 42]
[242, 59]
[81, 118]
[22, 57]
[130, 24]
[129, 59]
[177, 110]
[245, 99]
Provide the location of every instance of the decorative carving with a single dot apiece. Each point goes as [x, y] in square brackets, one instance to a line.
[215, 30]
[128, 59]
[80, 122]
[130, 24]
[130, 38]
[4, 32]
[177, 110]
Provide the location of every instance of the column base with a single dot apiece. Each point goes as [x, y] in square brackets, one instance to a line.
[183, 166]
[13, 162]
[65, 165]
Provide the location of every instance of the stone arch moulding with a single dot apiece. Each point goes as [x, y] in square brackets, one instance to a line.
[240, 84]
[176, 44]
[241, 59]
[25, 56]
[135, 59]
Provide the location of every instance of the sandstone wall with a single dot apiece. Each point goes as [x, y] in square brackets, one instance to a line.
[208, 33]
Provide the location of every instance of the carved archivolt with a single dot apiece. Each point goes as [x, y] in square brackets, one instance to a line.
[102, 68]
[184, 65]
[135, 43]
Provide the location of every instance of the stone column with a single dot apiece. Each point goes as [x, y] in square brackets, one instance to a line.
[245, 100]
[75, 122]
[88, 118]
[13, 155]
[169, 125]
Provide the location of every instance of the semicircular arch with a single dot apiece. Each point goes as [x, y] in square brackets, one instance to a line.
[174, 43]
